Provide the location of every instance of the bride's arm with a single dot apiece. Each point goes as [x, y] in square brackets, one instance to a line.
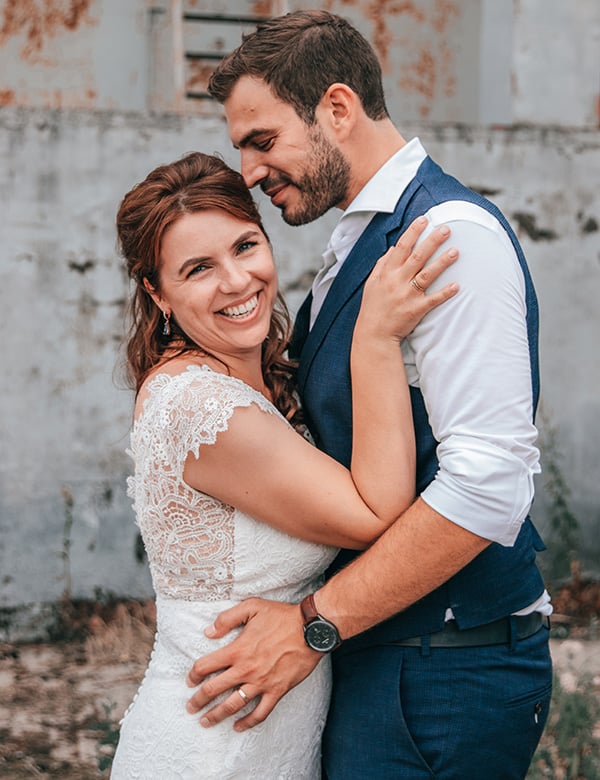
[264, 468]
[383, 453]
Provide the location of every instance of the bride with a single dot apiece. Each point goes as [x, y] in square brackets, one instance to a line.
[231, 499]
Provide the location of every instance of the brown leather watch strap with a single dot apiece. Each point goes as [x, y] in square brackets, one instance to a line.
[309, 610]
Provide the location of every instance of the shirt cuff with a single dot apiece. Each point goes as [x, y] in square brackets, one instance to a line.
[481, 487]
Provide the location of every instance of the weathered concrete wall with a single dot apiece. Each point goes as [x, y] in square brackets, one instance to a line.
[66, 524]
[65, 521]
[469, 61]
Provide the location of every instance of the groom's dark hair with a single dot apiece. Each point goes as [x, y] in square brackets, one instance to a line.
[299, 56]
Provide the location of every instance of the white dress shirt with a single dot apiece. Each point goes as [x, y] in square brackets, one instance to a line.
[469, 357]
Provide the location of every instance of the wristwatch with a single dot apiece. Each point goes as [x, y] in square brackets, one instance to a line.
[320, 634]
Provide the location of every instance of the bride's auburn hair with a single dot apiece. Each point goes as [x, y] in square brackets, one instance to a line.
[196, 182]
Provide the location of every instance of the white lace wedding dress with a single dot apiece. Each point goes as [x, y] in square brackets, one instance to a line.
[206, 556]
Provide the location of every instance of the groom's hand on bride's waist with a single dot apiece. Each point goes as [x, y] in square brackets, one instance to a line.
[266, 660]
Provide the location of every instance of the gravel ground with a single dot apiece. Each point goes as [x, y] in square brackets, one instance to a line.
[59, 702]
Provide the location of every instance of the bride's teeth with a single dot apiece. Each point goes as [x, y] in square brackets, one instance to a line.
[246, 308]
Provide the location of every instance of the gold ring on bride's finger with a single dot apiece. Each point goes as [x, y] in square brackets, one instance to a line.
[244, 695]
[416, 285]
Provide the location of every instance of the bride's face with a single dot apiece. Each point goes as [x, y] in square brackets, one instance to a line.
[218, 279]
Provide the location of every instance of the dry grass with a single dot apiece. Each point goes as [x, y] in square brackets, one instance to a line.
[62, 700]
[126, 638]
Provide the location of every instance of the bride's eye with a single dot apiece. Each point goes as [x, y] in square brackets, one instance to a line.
[197, 269]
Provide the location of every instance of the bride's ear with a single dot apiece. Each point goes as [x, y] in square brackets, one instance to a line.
[153, 293]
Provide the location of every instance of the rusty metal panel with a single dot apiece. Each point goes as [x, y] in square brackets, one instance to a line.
[43, 54]
[210, 31]
[206, 42]
[237, 9]
[72, 53]
[214, 35]
[428, 49]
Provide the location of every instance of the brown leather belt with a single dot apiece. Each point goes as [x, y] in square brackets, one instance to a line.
[500, 632]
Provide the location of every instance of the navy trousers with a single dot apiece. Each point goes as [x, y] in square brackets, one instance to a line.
[445, 713]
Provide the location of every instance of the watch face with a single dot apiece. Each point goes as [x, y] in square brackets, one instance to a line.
[321, 636]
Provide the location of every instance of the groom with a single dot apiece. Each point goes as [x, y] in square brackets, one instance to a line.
[443, 668]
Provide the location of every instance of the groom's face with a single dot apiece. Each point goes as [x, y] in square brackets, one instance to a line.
[295, 164]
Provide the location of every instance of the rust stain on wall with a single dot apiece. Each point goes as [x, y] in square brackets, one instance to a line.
[430, 72]
[7, 97]
[263, 8]
[383, 37]
[421, 78]
[199, 73]
[39, 20]
[329, 4]
[379, 12]
[443, 14]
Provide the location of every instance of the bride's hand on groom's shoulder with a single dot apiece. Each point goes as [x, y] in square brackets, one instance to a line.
[266, 660]
[399, 293]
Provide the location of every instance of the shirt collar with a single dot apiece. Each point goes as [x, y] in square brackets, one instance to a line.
[380, 194]
[383, 189]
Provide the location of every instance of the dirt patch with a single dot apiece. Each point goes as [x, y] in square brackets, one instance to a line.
[62, 701]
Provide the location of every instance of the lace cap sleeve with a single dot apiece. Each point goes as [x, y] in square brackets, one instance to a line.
[188, 410]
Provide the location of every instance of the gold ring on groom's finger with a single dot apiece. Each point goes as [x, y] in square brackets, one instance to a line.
[243, 695]
[416, 285]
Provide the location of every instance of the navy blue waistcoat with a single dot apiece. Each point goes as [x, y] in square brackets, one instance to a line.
[501, 580]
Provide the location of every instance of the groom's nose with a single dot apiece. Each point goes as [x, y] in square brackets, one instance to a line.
[253, 170]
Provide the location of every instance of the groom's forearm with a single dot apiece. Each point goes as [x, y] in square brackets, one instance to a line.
[417, 554]
[269, 657]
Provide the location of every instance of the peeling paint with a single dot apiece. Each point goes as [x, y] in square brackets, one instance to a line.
[421, 78]
[527, 223]
[41, 19]
[431, 71]
[590, 225]
[444, 13]
[377, 11]
[199, 72]
[486, 192]
[7, 97]
[82, 268]
[262, 8]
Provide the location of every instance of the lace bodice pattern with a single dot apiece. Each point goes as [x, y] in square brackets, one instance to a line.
[204, 557]
[199, 548]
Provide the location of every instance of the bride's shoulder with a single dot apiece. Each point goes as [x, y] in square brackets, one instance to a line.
[172, 377]
[186, 385]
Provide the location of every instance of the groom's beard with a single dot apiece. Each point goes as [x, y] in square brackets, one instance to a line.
[322, 186]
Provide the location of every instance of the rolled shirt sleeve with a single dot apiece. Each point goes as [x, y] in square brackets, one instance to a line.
[470, 358]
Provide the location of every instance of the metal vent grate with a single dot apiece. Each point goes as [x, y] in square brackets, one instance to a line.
[207, 39]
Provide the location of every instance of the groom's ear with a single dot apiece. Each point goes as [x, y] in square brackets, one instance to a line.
[338, 109]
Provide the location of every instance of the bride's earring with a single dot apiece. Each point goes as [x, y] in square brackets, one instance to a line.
[167, 324]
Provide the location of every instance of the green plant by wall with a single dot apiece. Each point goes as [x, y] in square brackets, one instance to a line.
[570, 746]
[108, 730]
[563, 537]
